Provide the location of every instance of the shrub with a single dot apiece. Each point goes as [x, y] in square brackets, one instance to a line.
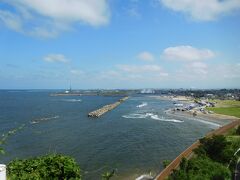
[166, 163]
[45, 167]
[108, 175]
[238, 130]
[216, 148]
[200, 168]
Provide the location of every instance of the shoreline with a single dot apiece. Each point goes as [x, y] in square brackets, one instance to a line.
[189, 150]
[217, 117]
[195, 113]
[189, 113]
[227, 123]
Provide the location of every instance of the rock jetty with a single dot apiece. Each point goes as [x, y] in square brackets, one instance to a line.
[99, 112]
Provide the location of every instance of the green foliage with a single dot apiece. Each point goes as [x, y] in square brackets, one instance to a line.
[166, 163]
[200, 168]
[108, 175]
[2, 151]
[215, 160]
[238, 130]
[216, 148]
[45, 167]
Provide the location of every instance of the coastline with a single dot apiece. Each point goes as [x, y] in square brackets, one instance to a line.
[232, 122]
[189, 150]
[227, 123]
[189, 113]
[214, 116]
[174, 98]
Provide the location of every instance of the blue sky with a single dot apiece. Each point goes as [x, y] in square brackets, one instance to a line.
[119, 44]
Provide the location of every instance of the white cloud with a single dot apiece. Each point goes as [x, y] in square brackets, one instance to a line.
[46, 18]
[205, 10]
[146, 56]
[55, 58]
[187, 53]
[191, 72]
[11, 20]
[198, 68]
[208, 75]
[140, 68]
[142, 72]
[133, 9]
[133, 74]
[227, 71]
[134, 12]
[77, 72]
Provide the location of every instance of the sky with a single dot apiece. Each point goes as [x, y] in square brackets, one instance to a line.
[119, 44]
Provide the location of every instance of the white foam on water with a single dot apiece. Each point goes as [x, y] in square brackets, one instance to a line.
[152, 116]
[155, 117]
[135, 116]
[142, 105]
[36, 121]
[72, 100]
[207, 122]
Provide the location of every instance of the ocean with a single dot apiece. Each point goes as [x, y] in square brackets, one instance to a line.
[133, 139]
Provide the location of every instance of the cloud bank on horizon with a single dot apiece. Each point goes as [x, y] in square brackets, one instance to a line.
[116, 44]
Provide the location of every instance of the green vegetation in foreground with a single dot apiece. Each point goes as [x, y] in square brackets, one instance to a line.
[213, 159]
[231, 111]
[166, 163]
[200, 168]
[45, 167]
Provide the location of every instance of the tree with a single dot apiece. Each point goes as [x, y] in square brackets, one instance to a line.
[166, 163]
[45, 167]
[216, 148]
[200, 168]
[238, 130]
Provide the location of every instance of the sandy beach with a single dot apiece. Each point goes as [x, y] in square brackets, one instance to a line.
[189, 113]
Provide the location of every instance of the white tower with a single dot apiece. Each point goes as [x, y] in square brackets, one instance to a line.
[3, 172]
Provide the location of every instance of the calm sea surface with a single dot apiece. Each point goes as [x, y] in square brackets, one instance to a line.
[133, 139]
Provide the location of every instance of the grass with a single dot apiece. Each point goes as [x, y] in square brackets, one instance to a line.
[226, 107]
[231, 111]
[234, 139]
[227, 103]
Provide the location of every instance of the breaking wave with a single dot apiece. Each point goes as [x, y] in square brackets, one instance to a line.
[36, 121]
[142, 105]
[152, 116]
[208, 122]
[72, 100]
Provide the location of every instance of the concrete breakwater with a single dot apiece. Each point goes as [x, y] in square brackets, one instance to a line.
[99, 112]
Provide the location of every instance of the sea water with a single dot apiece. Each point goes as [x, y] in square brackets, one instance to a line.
[133, 139]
